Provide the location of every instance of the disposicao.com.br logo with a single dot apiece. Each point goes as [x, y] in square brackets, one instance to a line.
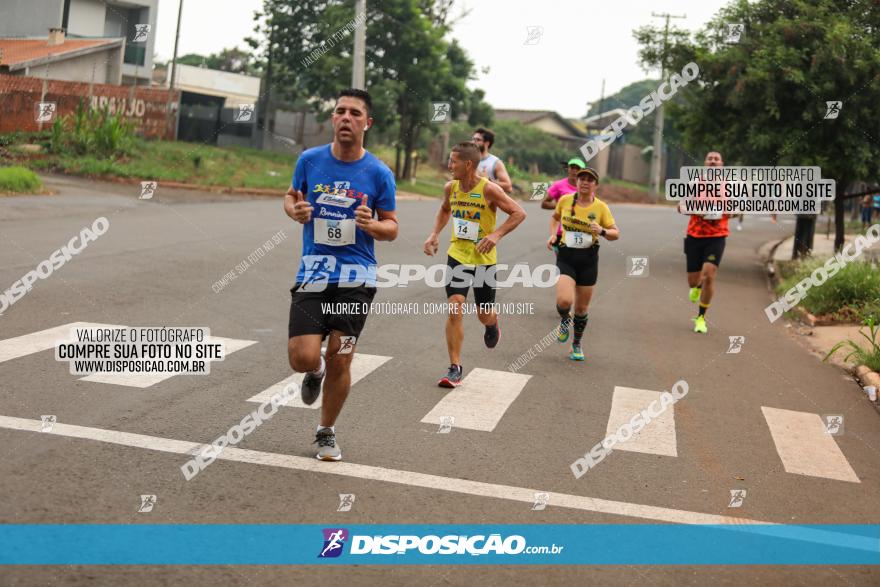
[450, 544]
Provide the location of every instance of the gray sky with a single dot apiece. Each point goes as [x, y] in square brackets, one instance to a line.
[582, 43]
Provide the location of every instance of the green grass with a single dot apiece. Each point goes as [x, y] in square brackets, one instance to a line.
[852, 295]
[861, 353]
[235, 167]
[627, 184]
[19, 180]
[423, 187]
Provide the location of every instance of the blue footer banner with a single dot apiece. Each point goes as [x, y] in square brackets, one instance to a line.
[530, 544]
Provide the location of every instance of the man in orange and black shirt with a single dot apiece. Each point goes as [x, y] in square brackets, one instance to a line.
[703, 247]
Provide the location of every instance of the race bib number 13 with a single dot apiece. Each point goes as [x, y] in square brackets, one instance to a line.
[578, 240]
[335, 233]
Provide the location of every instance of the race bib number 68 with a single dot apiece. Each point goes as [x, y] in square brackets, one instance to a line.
[335, 233]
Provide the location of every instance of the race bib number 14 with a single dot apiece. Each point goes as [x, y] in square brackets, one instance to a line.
[466, 229]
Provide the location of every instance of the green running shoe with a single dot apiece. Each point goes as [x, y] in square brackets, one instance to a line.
[576, 353]
[694, 295]
[700, 325]
[563, 333]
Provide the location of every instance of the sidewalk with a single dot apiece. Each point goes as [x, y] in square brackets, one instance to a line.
[823, 246]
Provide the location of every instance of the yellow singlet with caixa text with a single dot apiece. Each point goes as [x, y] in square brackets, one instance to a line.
[472, 219]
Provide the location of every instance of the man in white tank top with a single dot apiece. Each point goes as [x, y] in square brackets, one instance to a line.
[491, 166]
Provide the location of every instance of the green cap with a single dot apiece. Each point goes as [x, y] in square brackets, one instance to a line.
[577, 162]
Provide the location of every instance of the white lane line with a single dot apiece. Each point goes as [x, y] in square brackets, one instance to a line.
[804, 446]
[481, 399]
[452, 484]
[143, 380]
[361, 366]
[35, 342]
[368, 472]
[658, 437]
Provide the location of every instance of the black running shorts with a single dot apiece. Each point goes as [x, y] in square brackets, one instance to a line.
[582, 265]
[483, 293]
[335, 308]
[703, 250]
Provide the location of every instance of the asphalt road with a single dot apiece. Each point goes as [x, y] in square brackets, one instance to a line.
[156, 266]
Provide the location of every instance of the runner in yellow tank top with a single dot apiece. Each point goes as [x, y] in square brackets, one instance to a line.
[471, 202]
[472, 219]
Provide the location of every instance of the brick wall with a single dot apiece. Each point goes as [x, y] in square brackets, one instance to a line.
[146, 107]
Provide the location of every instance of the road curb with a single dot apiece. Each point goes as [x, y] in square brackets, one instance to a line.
[768, 252]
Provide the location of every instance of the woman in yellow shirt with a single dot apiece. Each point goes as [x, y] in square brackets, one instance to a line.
[584, 218]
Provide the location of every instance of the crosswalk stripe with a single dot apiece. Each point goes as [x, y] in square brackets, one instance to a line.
[657, 437]
[480, 401]
[142, 380]
[361, 366]
[805, 447]
[36, 342]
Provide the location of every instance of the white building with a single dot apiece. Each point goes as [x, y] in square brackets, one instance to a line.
[234, 88]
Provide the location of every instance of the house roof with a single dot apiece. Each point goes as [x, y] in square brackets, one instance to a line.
[21, 53]
[530, 116]
[605, 118]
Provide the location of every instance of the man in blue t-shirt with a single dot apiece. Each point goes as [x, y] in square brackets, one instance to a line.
[345, 199]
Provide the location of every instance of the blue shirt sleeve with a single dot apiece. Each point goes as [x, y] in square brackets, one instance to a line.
[387, 190]
[299, 177]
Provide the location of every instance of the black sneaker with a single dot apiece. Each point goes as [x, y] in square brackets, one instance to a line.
[492, 335]
[452, 378]
[311, 387]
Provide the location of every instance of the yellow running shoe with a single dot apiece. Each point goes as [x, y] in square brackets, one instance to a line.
[700, 325]
[694, 295]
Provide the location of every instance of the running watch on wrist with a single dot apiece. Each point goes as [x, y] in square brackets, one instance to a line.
[603, 232]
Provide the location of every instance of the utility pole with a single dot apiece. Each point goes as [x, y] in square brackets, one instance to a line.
[358, 69]
[656, 153]
[176, 41]
[173, 72]
[263, 122]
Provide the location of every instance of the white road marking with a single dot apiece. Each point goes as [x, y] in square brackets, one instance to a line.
[361, 366]
[452, 484]
[142, 380]
[804, 446]
[368, 472]
[36, 342]
[480, 401]
[658, 437]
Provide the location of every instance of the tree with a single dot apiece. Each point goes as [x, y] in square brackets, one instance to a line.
[641, 134]
[233, 60]
[762, 101]
[409, 63]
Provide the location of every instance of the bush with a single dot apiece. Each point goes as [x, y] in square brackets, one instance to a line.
[870, 356]
[853, 294]
[94, 132]
[19, 180]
